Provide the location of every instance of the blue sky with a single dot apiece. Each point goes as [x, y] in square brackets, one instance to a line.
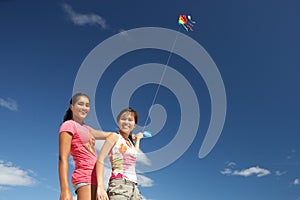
[255, 45]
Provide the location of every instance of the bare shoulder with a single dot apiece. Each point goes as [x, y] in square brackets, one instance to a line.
[113, 138]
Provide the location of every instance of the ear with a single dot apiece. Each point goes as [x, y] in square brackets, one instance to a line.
[71, 107]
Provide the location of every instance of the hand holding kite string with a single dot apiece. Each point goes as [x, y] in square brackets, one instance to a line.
[186, 22]
[145, 134]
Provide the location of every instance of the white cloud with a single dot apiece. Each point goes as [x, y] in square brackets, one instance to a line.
[231, 164]
[226, 171]
[9, 104]
[14, 176]
[143, 159]
[84, 19]
[259, 172]
[296, 181]
[144, 181]
[279, 173]
[251, 171]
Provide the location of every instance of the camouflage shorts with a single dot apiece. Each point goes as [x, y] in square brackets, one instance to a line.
[121, 189]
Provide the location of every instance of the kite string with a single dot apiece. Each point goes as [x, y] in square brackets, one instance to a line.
[161, 79]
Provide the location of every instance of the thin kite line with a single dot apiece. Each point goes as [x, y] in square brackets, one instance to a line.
[162, 76]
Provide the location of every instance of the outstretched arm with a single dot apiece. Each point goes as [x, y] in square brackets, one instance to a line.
[107, 146]
[64, 150]
[100, 135]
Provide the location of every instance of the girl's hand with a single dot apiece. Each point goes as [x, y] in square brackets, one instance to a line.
[101, 194]
[139, 135]
[66, 195]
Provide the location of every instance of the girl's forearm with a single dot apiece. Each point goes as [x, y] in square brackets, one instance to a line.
[137, 144]
[100, 135]
[100, 174]
[63, 175]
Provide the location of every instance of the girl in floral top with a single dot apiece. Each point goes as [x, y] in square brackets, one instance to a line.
[122, 153]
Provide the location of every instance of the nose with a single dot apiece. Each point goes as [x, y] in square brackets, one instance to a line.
[126, 121]
[86, 107]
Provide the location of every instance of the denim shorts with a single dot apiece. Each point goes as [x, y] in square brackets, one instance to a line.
[78, 185]
[122, 189]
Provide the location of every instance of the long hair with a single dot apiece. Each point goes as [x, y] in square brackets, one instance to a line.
[131, 110]
[74, 99]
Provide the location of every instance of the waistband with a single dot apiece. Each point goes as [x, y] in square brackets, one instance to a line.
[125, 181]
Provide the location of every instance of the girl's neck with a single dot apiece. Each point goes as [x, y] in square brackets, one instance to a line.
[78, 121]
[124, 135]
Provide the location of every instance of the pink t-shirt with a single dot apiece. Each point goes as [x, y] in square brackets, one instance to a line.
[83, 152]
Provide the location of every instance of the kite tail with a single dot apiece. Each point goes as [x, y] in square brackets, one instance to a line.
[190, 26]
[186, 28]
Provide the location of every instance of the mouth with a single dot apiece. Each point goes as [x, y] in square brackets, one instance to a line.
[83, 112]
[126, 127]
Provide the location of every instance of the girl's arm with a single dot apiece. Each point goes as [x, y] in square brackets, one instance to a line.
[65, 139]
[100, 135]
[107, 146]
[138, 137]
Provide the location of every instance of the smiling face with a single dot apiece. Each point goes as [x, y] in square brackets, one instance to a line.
[127, 122]
[80, 108]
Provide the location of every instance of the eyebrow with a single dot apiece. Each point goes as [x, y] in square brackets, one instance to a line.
[82, 102]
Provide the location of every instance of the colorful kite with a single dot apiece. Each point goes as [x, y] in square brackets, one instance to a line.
[186, 22]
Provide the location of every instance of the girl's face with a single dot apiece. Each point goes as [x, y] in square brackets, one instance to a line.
[80, 108]
[126, 122]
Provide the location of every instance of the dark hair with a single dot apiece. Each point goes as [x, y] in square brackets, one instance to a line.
[74, 99]
[131, 110]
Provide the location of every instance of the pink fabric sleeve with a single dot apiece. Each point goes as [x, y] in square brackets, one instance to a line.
[68, 126]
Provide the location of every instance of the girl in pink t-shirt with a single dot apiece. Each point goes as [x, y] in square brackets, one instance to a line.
[78, 140]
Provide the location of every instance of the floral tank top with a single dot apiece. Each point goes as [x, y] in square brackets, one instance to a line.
[123, 160]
